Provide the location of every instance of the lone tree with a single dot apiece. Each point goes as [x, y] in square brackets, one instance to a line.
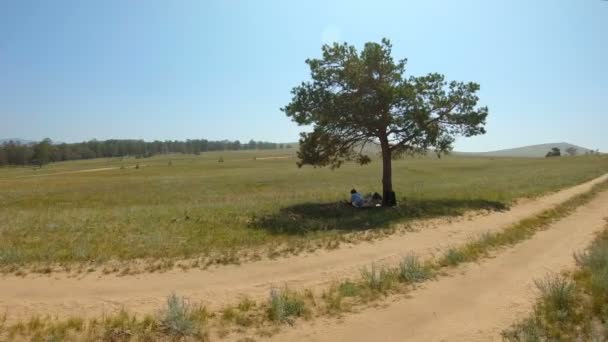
[572, 151]
[555, 152]
[41, 152]
[363, 98]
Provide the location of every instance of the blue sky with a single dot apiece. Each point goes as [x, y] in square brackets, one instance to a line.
[77, 70]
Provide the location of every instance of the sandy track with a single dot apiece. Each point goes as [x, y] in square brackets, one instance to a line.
[77, 171]
[478, 301]
[69, 172]
[95, 294]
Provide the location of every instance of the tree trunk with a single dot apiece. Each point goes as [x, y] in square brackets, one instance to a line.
[387, 172]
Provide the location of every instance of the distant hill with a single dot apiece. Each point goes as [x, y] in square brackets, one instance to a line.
[532, 151]
[17, 140]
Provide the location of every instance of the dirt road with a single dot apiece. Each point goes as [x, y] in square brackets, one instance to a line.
[95, 293]
[478, 301]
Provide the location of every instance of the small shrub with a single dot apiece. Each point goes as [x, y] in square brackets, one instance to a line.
[528, 330]
[558, 298]
[137, 166]
[594, 262]
[176, 319]
[411, 270]
[246, 304]
[453, 257]
[229, 314]
[220, 160]
[284, 305]
[380, 281]
[348, 289]
[333, 300]
[488, 239]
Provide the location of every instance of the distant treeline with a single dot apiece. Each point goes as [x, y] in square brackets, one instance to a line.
[14, 153]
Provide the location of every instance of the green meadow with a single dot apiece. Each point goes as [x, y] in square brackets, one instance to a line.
[190, 206]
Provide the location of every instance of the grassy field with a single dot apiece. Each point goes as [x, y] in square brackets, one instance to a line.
[184, 206]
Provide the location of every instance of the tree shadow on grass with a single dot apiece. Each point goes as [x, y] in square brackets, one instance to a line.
[305, 218]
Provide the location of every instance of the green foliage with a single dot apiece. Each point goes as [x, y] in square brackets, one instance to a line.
[14, 153]
[555, 152]
[358, 99]
[41, 154]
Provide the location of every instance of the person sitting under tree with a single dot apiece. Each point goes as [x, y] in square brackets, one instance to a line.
[358, 201]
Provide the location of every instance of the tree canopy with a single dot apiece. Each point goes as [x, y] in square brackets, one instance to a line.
[14, 153]
[355, 99]
[555, 152]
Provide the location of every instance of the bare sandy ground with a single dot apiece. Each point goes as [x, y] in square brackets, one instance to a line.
[476, 302]
[95, 294]
[277, 157]
[77, 171]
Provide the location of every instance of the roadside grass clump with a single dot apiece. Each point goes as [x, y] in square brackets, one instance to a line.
[527, 330]
[379, 279]
[244, 314]
[594, 274]
[558, 297]
[349, 289]
[573, 308]
[340, 297]
[286, 305]
[412, 270]
[453, 256]
[560, 314]
[177, 318]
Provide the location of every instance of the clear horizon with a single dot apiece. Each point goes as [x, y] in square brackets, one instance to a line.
[76, 71]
